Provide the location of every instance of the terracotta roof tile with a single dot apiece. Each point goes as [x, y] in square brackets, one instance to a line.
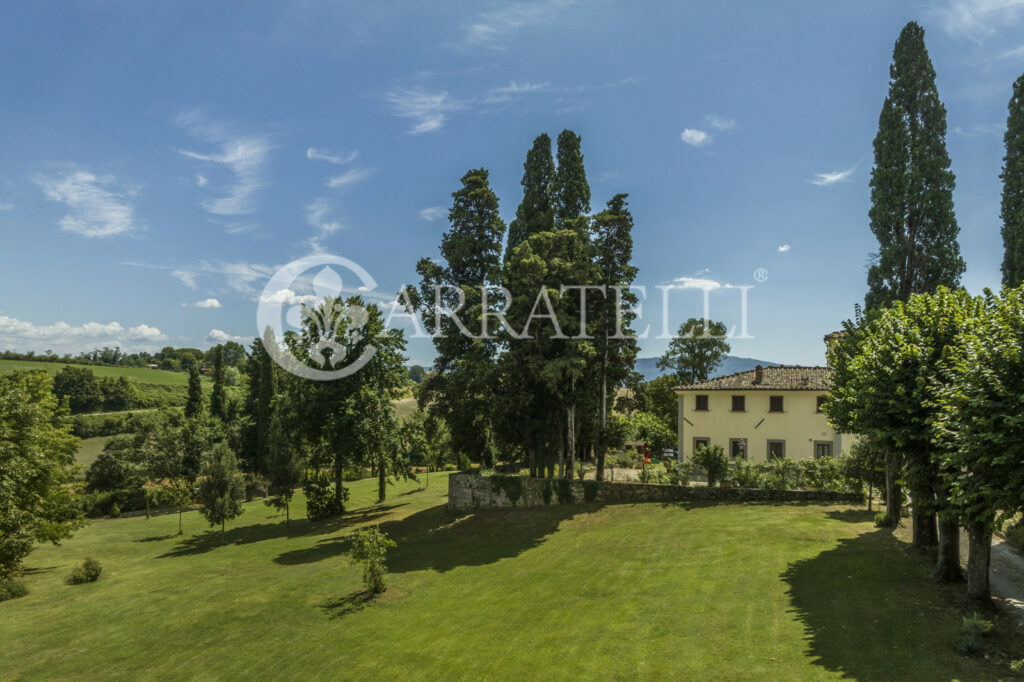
[782, 378]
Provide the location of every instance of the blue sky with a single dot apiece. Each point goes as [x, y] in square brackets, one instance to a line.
[159, 161]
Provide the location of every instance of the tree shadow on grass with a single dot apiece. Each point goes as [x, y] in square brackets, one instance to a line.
[851, 515]
[437, 539]
[350, 603]
[258, 532]
[156, 538]
[870, 612]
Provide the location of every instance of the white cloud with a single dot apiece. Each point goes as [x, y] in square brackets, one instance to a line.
[513, 89]
[432, 213]
[719, 123]
[95, 209]
[697, 283]
[218, 336]
[976, 20]
[348, 177]
[784, 248]
[245, 157]
[694, 137]
[289, 297]
[492, 29]
[207, 303]
[824, 179]
[202, 180]
[15, 330]
[1013, 54]
[337, 158]
[427, 110]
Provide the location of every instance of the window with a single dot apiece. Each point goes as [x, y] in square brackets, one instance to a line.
[821, 401]
[738, 448]
[698, 442]
[701, 403]
[776, 449]
[822, 448]
[739, 403]
[775, 403]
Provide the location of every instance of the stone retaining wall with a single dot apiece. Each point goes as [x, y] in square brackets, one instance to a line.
[467, 491]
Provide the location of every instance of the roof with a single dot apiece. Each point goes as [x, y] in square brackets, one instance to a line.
[781, 378]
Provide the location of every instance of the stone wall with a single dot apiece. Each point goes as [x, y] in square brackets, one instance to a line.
[467, 491]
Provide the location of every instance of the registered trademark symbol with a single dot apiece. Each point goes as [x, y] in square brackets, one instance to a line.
[760, 275]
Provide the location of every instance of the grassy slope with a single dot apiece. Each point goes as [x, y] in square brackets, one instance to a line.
[641, 591]
[89, 449]
[141, 375]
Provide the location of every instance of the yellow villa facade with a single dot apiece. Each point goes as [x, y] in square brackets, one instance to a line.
[764, 413]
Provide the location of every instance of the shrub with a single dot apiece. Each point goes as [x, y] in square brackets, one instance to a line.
[512, 485]
[1015, 536]
[713, 461]
[12, 589]
[624, 460]
[464, 463]
[822, 474]
[320, 501]
[564, 490]
[968, 638]
[883, 520]
[88, 572]
[547, 491]
[369, 547]
[743, 474]
[590, 491]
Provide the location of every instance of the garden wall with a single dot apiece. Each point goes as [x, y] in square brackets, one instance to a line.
[467, 491]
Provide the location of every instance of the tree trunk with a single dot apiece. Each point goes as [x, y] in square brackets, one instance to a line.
[979, 554]
[222, 532]
[571, 445]
[870, 493]
[180, 510]
[947, 564]
[287, 518]
[601, 447]
[339, 469]
[926, 534]
[893, 494]
[382, 483]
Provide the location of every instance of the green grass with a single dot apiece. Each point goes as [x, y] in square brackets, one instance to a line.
[405, 408]
[141, 375]
[728, 591]
[88, 450]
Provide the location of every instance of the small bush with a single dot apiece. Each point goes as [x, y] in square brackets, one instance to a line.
[88, 572]
[547, 491]
[713, 461]
[590, 491]
[464, 463]
[1015, 536]
[512, 485]
[883, 520]
[370, 547]
[12, 589]
[968, 638]
[564, 491]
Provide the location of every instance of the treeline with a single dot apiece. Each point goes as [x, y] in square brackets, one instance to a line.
[169, 358]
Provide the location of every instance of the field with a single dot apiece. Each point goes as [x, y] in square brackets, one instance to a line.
[726, 591]
[89, 449]
[140, 375]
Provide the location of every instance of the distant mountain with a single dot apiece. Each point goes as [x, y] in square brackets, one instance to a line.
[731, 365]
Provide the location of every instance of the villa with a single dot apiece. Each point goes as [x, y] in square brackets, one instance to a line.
[761, 414]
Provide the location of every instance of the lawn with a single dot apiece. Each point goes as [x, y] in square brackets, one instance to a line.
[727, 591]
[89, 449]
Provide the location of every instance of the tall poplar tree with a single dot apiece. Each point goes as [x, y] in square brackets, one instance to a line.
[194, 402]
[1012, 210]
[536, 212]
[460, 390]
[912, 184]
[571, 191]
[217, 398]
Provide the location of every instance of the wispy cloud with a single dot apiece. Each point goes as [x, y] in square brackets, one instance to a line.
[1013, 54]
[719, 123]
[207, 303]
[976, 20]
[980, 129]
[238, 277]
[318, 216]
[244, 156]
[202, 180]
[697, 283]
[218, 336]
[824, 179]
[512, 90]
[492, 29]
[97, 208]
[6, 206]
[348, 177]
[337, 158]
[784, 248]
[427, 110]
[695, 137]
[432, 213]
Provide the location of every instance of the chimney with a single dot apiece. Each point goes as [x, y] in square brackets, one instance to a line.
[758, 374]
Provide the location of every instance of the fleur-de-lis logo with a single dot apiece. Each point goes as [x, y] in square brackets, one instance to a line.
[338, 330]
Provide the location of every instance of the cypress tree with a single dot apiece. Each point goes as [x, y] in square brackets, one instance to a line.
[217, 399]
[536, 212]
[912, 184]
[1012, 210]
[571, 191]
[194, 403]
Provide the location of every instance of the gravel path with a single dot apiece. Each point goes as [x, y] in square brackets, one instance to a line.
[1006, 577]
